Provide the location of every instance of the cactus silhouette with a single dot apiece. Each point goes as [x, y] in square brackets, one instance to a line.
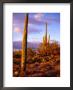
[24, 48]
[46, 40]
[45, 37]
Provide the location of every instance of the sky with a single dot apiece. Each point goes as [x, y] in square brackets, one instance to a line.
[36, 26]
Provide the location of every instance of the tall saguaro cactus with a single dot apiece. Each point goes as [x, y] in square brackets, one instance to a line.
[45, 37]
[24, 48]
[46, 34]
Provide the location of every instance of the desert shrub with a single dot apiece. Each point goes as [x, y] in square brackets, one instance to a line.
[37, 59]
[45, 61]
[17, 54]
[33, 60]
[16, 62]
[29, 61]
[30, 52]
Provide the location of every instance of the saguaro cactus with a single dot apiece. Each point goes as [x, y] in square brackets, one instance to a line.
[24, 48]
[45, 37]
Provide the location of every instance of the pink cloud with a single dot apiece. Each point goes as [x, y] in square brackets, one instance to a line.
[17, 29]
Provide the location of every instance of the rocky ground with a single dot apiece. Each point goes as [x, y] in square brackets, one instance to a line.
[48, 67]
[43, 63]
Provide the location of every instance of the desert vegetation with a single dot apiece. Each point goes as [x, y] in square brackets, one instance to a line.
[41, 62]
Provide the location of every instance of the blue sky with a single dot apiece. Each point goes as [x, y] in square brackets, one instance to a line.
[36, 26]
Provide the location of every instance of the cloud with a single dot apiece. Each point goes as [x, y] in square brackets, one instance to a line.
[38, 17]
[17, 29]
[41, 19]
[33, 31]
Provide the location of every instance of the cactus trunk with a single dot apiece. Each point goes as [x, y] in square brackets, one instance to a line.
[24, 48]
[46, 34]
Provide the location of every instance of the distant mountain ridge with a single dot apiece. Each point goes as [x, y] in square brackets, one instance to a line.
[33, 45]
[18, 45]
